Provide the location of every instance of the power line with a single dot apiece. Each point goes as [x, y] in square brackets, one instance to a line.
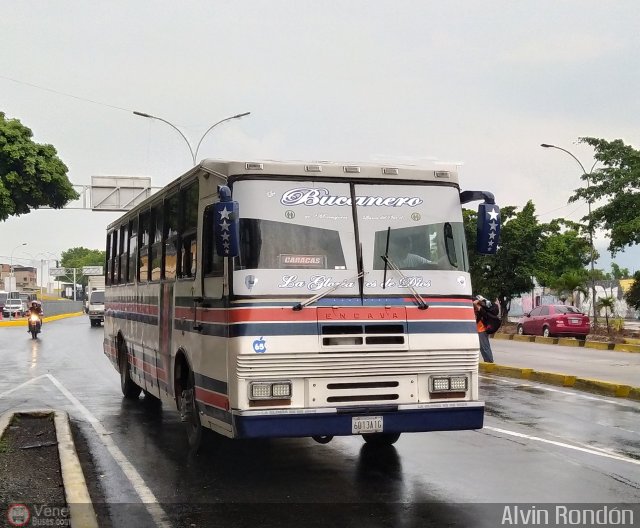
[65, 94]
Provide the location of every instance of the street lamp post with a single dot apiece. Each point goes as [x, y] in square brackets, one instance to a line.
[11, 262]
[34, 258]
[11, 275]
[593, 280]
[51, 257]
[194, 154]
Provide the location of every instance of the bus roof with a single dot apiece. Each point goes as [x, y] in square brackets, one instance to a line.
[322, 169]
[317, 170]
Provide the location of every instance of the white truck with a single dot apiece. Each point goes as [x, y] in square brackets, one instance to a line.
[95, 300]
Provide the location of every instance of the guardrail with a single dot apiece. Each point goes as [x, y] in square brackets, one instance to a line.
[62, 307]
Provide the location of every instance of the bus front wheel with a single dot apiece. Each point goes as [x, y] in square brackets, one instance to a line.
[190, 416]
[381, 439]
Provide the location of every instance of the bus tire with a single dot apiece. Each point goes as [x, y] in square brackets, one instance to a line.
[130, 390]
[190, 415]
[381, 439]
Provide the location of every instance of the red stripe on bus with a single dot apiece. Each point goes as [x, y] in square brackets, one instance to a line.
[212, 398]
[437, 312]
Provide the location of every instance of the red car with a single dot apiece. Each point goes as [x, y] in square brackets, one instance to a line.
[555, 320]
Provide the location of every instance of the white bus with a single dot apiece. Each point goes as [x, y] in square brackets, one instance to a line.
[268, 299]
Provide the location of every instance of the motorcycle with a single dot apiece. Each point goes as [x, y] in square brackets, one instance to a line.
[35, 325]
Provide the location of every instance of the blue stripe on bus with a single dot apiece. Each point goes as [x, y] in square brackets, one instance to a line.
[339, 424]
[355, 302]
[211, 384]
[291, 328]
[213, 412]
[209, 329]
[442, 327]
[273, 329]
[306, 328]
[133, 316]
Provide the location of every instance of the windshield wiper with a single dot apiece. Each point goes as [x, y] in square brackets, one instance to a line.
[318, 296]
[386, 258]
[422, 305]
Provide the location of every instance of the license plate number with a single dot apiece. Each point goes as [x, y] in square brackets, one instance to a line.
[574, 321]
[366, 424]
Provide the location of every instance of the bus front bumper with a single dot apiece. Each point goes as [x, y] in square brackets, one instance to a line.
[454, 416]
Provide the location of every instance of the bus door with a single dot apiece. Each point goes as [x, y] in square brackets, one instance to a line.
[165, 329]
[211, 324]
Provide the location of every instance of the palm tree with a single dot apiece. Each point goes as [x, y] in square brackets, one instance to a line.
[571, 282]
[608, 303]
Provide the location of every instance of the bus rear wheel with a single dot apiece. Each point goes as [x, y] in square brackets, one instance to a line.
[129, 389]
[381, 439]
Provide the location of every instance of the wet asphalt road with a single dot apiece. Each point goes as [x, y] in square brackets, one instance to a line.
[539, 445]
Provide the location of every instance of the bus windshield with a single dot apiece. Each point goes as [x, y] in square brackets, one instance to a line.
[298, 237]
[283, 245]
[289, 242]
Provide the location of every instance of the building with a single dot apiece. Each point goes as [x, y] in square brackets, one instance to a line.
[26, 278]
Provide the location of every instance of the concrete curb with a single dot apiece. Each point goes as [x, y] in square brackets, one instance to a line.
[626, 347]
[81, 511]
[607, 388]
[568, 341]
[23, 321]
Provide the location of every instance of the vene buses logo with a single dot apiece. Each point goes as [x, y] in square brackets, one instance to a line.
[18, 515]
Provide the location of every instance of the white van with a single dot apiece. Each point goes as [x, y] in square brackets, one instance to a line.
[3, 299]
[95, 307]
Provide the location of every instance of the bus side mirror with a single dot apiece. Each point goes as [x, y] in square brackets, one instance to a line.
[488, 228]
[226, 229]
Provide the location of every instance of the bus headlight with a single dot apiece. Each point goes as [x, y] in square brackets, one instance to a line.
[449, 383]
[270, 390]
[281, 390]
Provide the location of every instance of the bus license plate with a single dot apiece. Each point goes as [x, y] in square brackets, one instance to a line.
[366, 424]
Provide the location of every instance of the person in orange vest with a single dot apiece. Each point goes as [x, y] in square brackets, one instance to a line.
[480, 306]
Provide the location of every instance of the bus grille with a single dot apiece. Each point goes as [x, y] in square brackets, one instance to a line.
[363, 335]
[362, 364]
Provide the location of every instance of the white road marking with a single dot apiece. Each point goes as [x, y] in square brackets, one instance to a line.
[589, 450]
[575, 392]
[18, 387]
[143, 491]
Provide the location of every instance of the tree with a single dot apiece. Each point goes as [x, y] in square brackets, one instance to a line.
[608, 303]
[571, 282]
[616, 185]
[509, 272]
[79, 257]
[618, 273]
[562, 249]
[632, 296]
[31, 175]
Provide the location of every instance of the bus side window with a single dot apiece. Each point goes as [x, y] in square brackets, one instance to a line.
[143, 260]
[189, 236]
[155, 243]
[170, 236]
[115, 264]
[108, 259]
[133, 250]
[123, 254]
[213, 264]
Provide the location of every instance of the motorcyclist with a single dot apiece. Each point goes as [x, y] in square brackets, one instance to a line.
[35, 308]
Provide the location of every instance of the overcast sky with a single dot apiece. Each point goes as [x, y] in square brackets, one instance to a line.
[481, 84]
